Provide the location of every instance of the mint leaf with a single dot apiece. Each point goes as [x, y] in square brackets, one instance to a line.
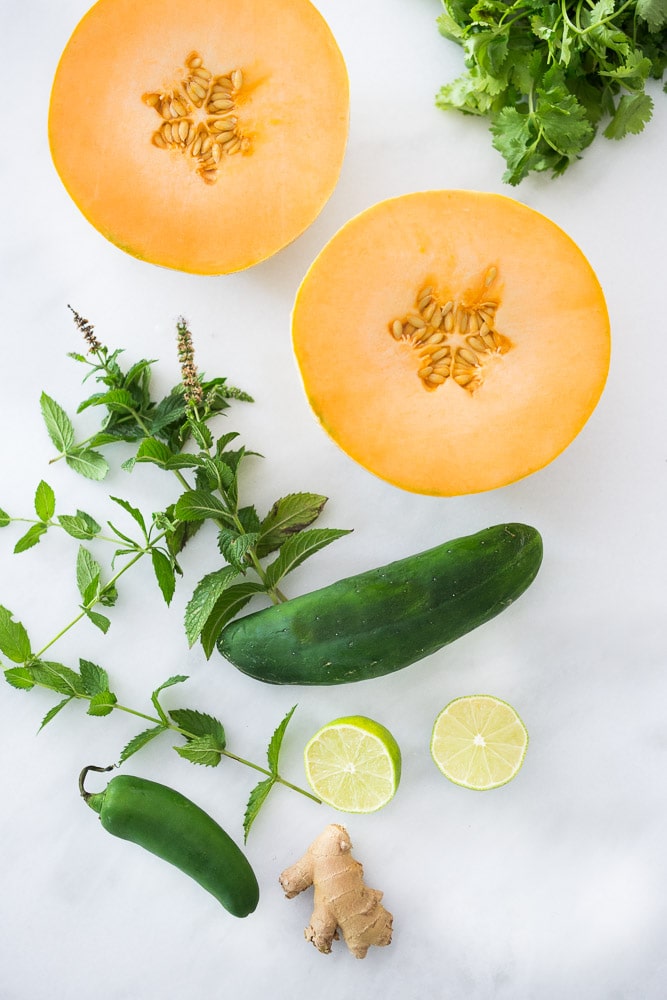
[249, 520]
[273, 752]
[140, 373]
[176, 679]
[168, 411]
[121, 399]
[79, 525]
[102, 703]
[14, 641]
[88, 463]
[225, 608]
[164, 574]
[184, 460]
[257, 798]
[51, 714]
[235, 547]
[57, 677]
[30, 538]
[197, 505]
[116, 400]
[201, 750]
[91, 401]
[95, 680]
[201, 432]
[134, 512]
[288, 516]
[139, 741]
[206, 594]
[5, 519]
[179, 533]
[152, 450]
[298, 548]
[99, 621]
[45, 502]
[219, 474]
[88, 573]
[58, 425]
[199, 724]
[20, 677]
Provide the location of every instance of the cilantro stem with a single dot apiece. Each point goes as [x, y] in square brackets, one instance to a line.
[595, 24]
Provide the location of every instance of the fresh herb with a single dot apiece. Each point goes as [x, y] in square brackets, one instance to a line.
[548, 75]
[258, 550]
[203, 735]
[174, 433]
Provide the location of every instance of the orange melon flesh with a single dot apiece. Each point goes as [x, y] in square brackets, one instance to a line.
[291, 112]
[492, 415]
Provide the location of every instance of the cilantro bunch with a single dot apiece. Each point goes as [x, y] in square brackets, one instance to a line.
[549, 75]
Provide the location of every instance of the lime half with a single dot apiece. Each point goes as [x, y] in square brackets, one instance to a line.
[353, 764]
[479, 742]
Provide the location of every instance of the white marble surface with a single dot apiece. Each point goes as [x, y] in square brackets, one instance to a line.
[551, 887]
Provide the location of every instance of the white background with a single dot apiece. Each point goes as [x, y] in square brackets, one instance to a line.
[551, 887]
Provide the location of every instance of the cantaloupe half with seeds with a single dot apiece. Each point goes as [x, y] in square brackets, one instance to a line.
[200, 136]
[451, 341]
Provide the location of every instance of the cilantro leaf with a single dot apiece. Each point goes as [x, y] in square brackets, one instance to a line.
[654, 12]
[563, 122]
[632, 114]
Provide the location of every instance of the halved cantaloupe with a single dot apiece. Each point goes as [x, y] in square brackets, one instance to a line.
[204, 137]
[451, 341]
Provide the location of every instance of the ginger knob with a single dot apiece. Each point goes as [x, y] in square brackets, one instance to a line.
[342, 900]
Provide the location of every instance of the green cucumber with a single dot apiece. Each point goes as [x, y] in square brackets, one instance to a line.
[385, 619]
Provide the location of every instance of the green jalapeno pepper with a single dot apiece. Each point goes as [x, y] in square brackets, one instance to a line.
[169, 825]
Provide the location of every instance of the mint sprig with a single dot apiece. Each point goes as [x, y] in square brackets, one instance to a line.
[202, 735]
[176, 433]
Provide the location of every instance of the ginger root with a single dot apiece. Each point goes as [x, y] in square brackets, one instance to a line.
[342, 901]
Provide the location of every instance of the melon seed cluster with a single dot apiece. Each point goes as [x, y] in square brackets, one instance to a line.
[200, 117]
[452, 339]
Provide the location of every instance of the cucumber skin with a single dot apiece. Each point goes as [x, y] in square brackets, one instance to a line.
[387, 618]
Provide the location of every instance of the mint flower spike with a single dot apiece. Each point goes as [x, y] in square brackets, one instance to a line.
[186, 355]
[87, 330]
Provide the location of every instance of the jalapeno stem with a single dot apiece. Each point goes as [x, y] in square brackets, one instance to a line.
[82, 776]
[93, 799]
